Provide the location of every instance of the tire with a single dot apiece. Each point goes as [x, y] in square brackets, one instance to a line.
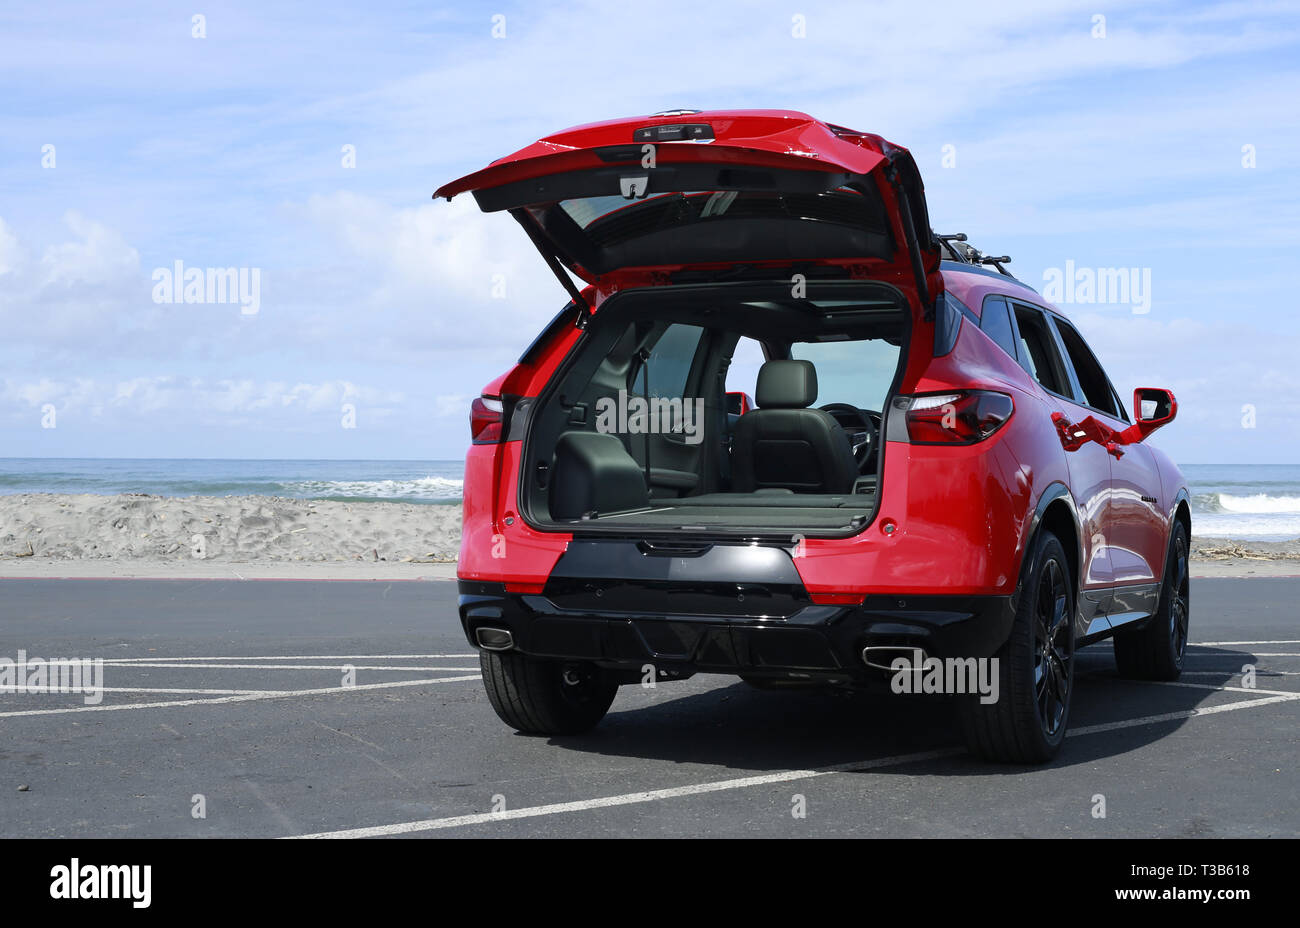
[545, 697]
[1156, 651]
[1035, 671]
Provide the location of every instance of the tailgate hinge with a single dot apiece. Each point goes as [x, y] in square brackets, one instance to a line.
[913, 243]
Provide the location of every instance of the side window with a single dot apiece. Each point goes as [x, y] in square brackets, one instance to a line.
[1038, 350]
[1119, 404]
[669, 367]
[1092, 379]
[949, 312]
[742, 375]
[996, 324]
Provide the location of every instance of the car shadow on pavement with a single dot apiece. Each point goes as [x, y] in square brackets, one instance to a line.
[735, 726]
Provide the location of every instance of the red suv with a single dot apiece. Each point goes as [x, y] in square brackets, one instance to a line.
[970, 496]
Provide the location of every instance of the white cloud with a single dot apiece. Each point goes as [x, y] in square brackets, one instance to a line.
[10, 253]
[1123, 150]
[443, 276]
[98, 256]
[79, 290]
[1214, 368]
[268, 403]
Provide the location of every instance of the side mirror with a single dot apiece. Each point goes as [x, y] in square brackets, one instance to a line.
[1152, 408]
[739, 403]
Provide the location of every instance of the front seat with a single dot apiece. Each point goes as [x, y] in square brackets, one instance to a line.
[785, 445]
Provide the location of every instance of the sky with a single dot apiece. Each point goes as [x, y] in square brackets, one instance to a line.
[303, 142]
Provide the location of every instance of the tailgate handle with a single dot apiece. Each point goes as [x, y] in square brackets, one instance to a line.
[672, 550]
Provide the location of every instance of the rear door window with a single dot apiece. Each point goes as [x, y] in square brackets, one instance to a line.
[668, 368]
[1037, 350]
[996, 323]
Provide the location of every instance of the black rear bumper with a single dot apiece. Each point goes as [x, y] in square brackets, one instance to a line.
[810, 642]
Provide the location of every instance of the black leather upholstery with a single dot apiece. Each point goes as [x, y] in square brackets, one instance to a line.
[593, 472]
[786, 385]
[783, 444]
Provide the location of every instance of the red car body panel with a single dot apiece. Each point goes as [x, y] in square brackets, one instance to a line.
[751, 138]
[767, 138]
[496, 544]
[955, 519]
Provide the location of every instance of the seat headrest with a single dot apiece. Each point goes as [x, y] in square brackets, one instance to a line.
[786, 385]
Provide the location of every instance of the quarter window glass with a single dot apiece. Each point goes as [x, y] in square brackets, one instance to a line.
[947, 322]
[996, 324]
[742, 375]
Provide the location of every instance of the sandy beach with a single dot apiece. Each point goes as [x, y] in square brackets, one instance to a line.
[44, 534]
[134, 535]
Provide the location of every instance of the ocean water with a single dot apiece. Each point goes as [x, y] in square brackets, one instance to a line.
[1257, 502]
[392, 481]
[1249, 502]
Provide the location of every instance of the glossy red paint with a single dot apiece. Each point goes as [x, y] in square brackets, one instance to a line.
[496, 545]
[759, 138]
[778, 139]
[953, 519]
[955, 512]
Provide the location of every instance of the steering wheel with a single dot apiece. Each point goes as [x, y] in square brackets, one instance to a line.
[861, 430]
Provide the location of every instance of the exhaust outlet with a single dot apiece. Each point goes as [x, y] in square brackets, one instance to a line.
[880, 657]
[494, 639]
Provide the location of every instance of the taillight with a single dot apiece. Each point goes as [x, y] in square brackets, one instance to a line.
[961, 417]
[485, 425]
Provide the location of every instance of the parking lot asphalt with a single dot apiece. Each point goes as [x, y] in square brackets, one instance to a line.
[225, 713]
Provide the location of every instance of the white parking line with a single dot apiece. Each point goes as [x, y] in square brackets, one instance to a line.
[1223, 688]
[1212, 644]
[1108, 645]
[625, 799]
[196, 666]
[294, 657]
[1252, 654]
[1183, 713]
[605, 802]
[247, 697]
[8, 688]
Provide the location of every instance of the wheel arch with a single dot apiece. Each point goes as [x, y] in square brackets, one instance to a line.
[1057, 512]
[1183, 511]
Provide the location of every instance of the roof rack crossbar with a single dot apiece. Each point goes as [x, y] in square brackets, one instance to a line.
[969, 254]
